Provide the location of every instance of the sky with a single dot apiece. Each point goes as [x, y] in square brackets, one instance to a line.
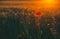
[31, 3]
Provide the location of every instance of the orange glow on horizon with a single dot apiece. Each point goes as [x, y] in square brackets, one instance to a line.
[49, 3]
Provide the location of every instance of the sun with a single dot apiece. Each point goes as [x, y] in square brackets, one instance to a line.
[49, 1]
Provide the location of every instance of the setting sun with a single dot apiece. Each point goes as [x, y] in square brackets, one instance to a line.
[49, 1]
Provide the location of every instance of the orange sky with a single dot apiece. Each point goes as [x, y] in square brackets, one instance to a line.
[30, 4]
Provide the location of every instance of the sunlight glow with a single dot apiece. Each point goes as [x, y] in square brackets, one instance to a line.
[49, 3]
